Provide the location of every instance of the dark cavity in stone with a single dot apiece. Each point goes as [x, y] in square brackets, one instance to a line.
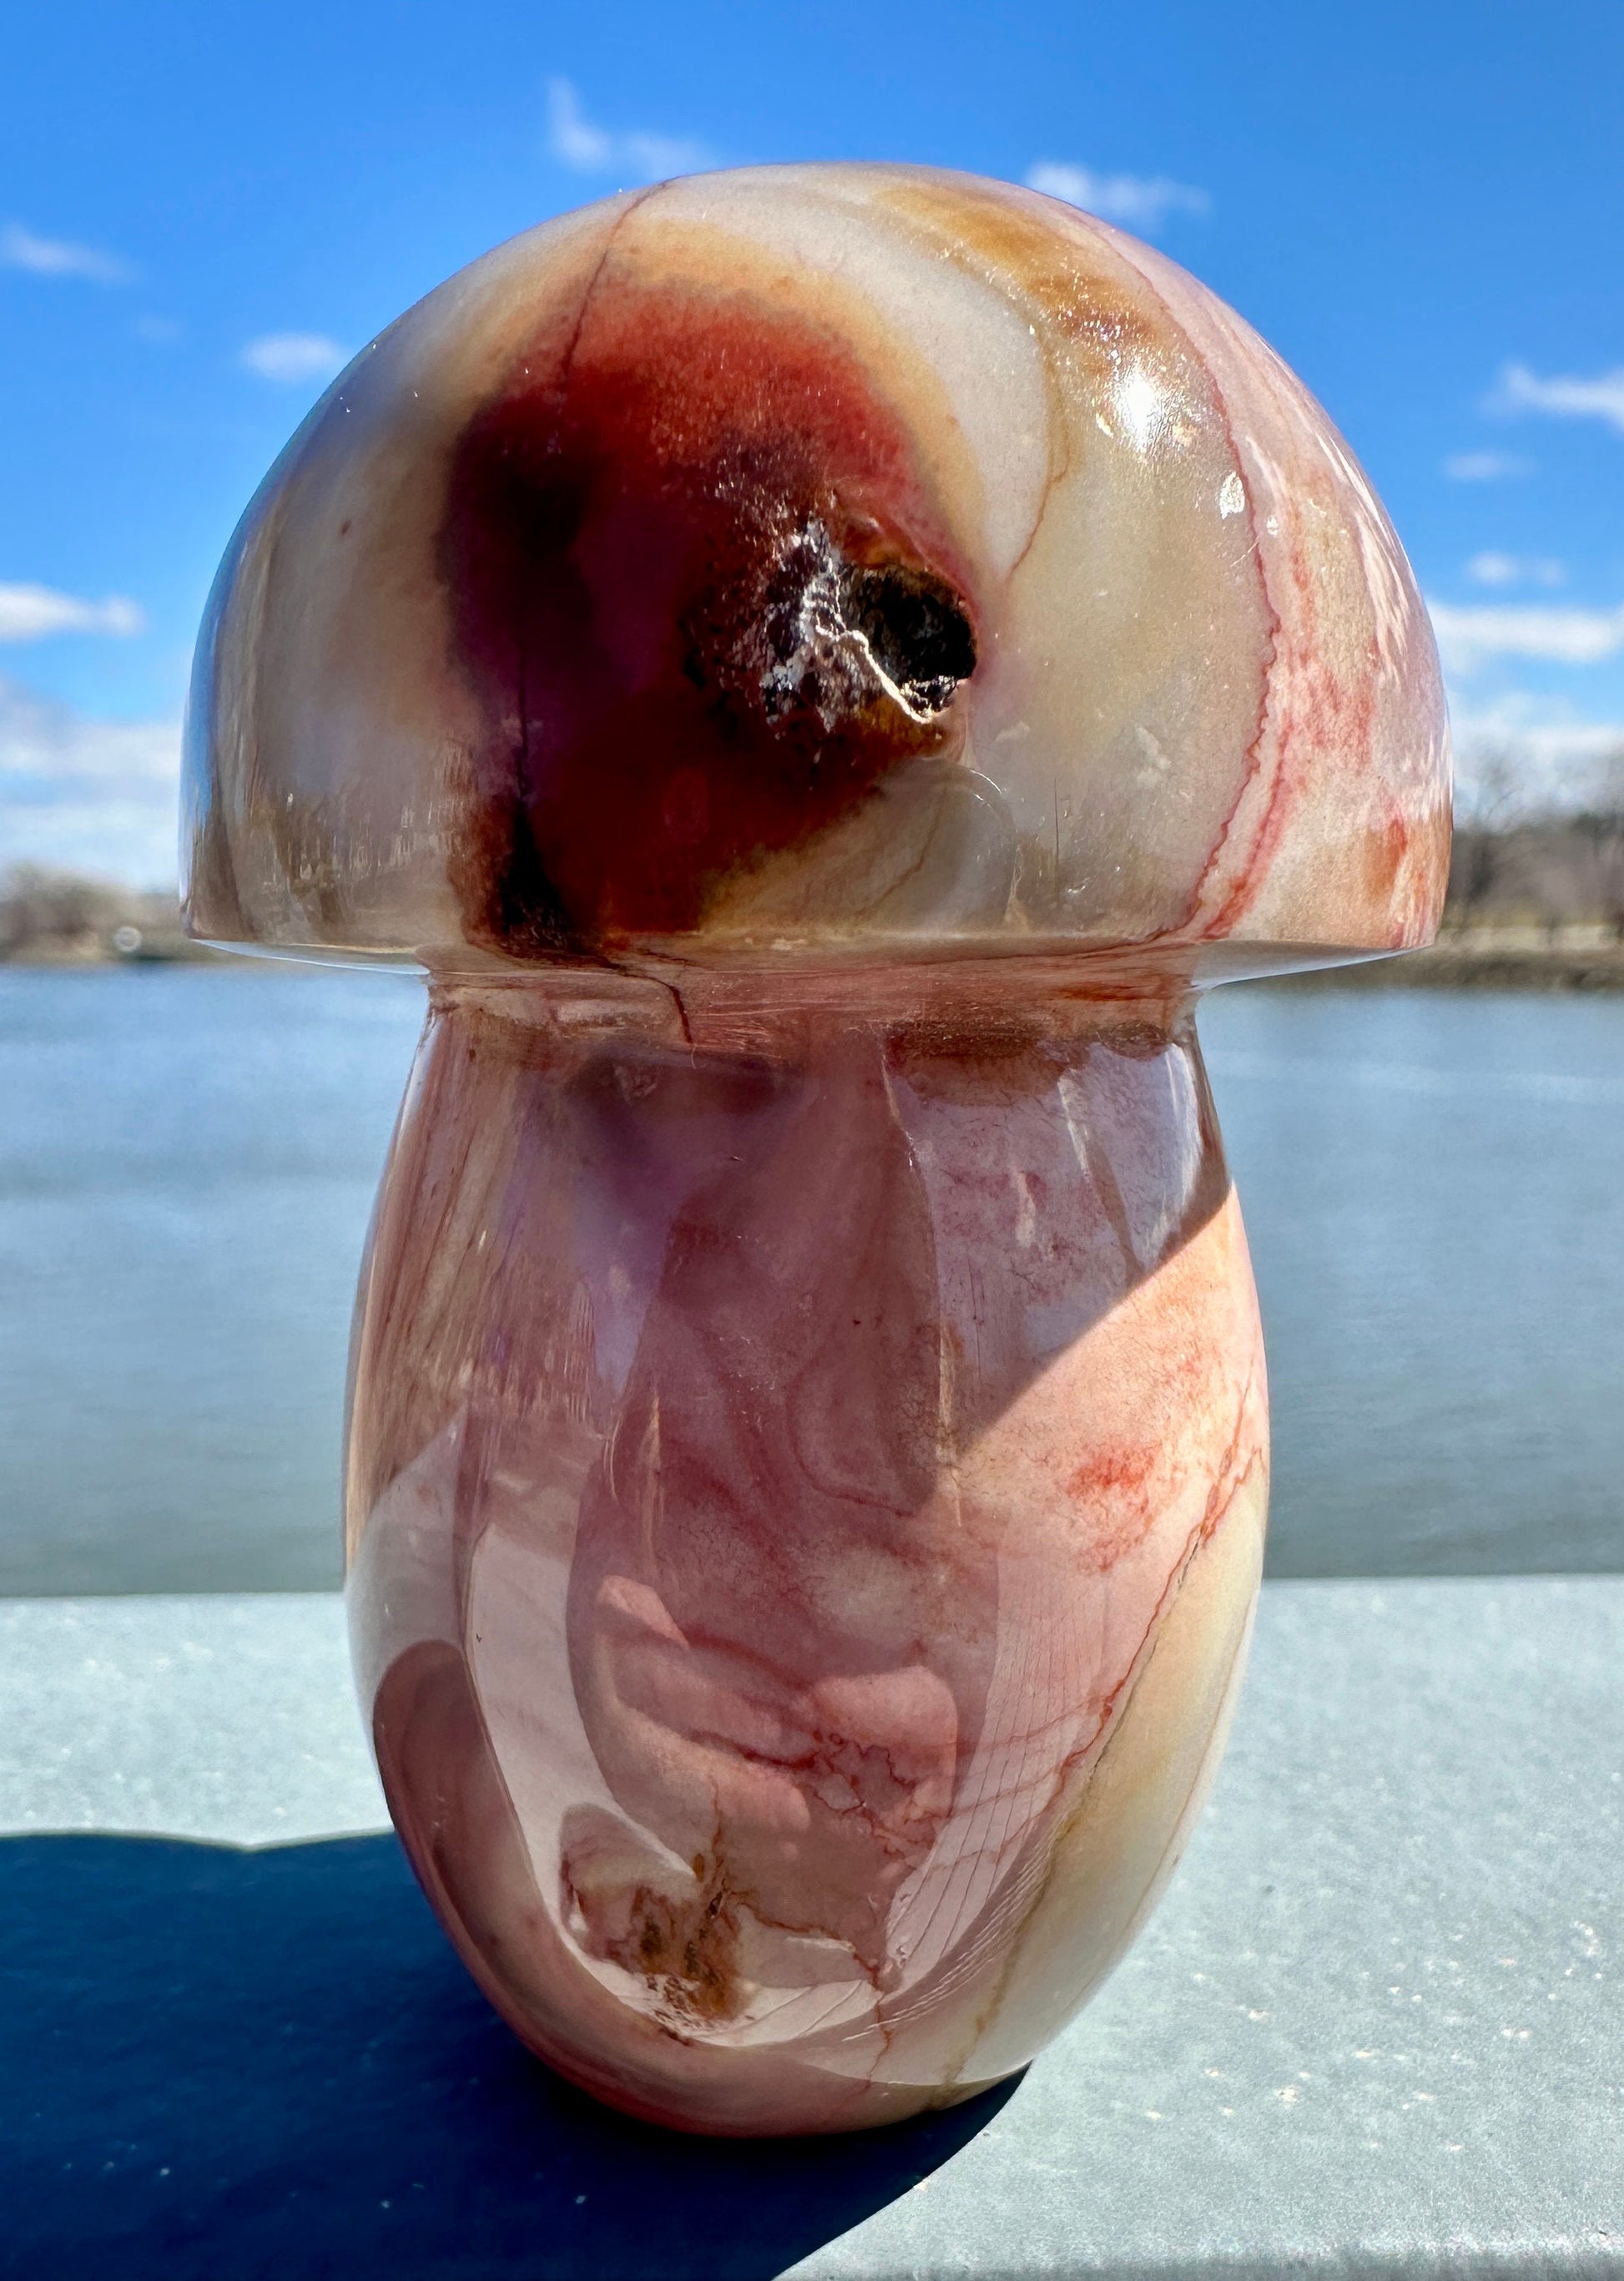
[917, 631]
[704, 607]
[842, 636]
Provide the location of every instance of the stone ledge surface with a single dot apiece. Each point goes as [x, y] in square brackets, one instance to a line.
[227, 1718]
[1375, 2028]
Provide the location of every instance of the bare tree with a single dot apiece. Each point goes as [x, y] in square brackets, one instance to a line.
[1481, 863]
[1599, 832]
[56, 915]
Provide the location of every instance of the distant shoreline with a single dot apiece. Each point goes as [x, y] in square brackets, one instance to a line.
[1503, 958]
[154, 948]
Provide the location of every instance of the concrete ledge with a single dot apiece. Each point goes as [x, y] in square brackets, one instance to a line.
[1376, 2028]
[226, 1718]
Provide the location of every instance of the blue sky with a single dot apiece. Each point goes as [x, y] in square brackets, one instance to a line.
[202, 210]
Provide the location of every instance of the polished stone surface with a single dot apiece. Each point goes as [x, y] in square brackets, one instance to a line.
[1374, 2029]
[814, 564]
[806, 1492]
[820, 664]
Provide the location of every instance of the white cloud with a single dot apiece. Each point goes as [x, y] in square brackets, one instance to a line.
[59, 257]
[1472, 637]
[1496, 569]
[85, 795]
[1138, 201]
[1563, 396]
[30, 613]
[1532, 748]
[294, 360]
[632, 154]
[1485, 467]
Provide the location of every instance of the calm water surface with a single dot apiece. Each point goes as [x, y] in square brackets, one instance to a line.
[1432, 1183]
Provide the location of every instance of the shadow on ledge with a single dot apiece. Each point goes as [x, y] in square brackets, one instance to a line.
[270, 2064]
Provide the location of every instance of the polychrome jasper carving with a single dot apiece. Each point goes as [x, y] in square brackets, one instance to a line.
[821, 665]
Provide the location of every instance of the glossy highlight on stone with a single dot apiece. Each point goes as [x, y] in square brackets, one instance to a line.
[821, 665]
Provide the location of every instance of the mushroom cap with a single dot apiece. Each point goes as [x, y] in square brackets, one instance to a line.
[816, 566]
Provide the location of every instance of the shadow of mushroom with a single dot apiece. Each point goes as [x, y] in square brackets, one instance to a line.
[270, 2063]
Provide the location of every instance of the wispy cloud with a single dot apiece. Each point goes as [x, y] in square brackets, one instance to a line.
[1563, 396]
[1138, 201]
[630, 154]
[30, 613]
[293, 359]
[59, 257]
[1496, 569]
[1485, 467]
[98, 796]
[1470, 637]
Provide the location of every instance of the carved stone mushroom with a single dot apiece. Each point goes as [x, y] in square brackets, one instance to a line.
[821, 665]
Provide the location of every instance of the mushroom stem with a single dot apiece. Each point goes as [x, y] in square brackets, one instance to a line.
[806, 1492]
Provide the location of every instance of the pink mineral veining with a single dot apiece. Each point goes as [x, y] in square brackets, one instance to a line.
[820, 666]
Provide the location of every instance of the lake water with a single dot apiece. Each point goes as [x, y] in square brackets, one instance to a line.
[1433, 1184]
